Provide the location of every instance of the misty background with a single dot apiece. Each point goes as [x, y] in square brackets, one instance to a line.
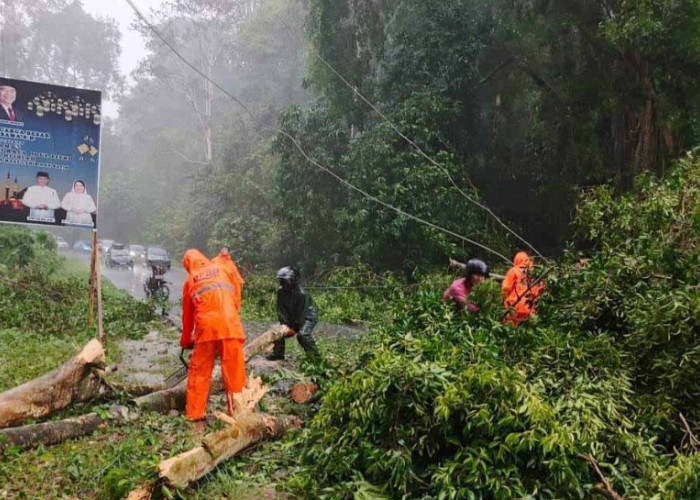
[524, 106]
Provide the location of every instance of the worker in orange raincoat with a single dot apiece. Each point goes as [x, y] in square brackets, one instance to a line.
[520, 293]
[210, 324]
[225, 260]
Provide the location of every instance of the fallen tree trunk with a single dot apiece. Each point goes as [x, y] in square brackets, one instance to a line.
[135, 390]
[164, 401]
[174, 398]
[73, 382]
[258, 345]
[248, 429]
[49, 433]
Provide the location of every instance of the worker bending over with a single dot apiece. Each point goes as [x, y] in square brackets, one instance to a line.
[210, 324]
[296, 313]
[475, 272]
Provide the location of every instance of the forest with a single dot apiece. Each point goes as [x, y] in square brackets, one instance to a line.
[368, 142]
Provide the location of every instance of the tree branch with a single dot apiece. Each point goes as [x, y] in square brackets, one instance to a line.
[498, 68]
[178, 153]
[604, 487]
[692, 440]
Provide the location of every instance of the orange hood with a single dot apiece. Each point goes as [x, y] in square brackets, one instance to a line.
[522, 260]
[194, 259]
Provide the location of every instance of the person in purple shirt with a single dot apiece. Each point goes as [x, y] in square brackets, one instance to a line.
[475, 272]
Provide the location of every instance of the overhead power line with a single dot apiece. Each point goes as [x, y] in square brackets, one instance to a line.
[301, 150]
[420, 151]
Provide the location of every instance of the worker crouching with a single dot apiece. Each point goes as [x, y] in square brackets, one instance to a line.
[210, 324]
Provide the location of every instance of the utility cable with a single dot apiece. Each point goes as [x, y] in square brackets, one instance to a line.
[434, 162]
[301, 150]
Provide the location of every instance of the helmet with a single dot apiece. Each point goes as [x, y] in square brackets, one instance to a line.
[476, 266]
[288, 276]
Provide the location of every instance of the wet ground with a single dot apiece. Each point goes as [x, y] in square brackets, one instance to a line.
[152, 358]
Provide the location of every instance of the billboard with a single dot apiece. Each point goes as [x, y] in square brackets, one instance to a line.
[49, 154]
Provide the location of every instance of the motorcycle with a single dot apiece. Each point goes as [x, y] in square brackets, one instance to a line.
[156, 287]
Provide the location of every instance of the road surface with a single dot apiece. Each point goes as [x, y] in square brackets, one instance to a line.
[133, 280]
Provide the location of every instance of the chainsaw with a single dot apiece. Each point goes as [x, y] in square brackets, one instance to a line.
[180, 374]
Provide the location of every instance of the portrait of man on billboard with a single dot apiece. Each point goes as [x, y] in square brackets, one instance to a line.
[41, 199]
[8, 110]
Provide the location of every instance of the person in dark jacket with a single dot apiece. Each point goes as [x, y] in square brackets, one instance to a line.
[296, 313]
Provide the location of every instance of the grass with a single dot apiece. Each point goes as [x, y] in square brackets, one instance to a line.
[121, 457]
[106, 465]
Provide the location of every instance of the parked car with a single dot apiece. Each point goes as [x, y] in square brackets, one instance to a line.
[137, 252]
[105, 245]
[61, 244]
[157, 256]
[118, 256]
[82, 246]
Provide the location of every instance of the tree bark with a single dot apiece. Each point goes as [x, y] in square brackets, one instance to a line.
[73, 382]
[165, 400]
[49, 433]
[248, 429]
[258, 345]
[174, 399]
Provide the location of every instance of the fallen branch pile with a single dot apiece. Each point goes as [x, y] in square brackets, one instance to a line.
[82, 379]
[247, 428]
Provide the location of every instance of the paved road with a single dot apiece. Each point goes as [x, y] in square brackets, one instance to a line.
[133, 280]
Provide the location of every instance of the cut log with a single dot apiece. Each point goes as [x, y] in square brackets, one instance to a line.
[224, 418]
[135, 390]
[163, 401]
[143, 493]
[174, 398]
[246, 400]
[260, 343]
[304, 392]
[248, 429]
[49, 433]
[73, 382]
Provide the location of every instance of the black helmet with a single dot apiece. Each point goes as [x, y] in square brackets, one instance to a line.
[288, 276]
[476, 266]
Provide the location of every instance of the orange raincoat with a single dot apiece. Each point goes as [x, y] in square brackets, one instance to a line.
[210, 323]
[224, 260]
[515, 285]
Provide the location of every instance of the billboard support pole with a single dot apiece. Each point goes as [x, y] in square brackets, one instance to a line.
[98, 277]
[93, 261]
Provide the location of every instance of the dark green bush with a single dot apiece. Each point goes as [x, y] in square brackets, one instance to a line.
[460, 406]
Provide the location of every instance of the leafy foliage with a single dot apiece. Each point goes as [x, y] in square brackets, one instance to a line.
[455, 406]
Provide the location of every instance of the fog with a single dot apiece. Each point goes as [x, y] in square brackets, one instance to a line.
[170, 141]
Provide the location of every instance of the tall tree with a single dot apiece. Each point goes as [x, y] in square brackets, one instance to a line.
[56, 41]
